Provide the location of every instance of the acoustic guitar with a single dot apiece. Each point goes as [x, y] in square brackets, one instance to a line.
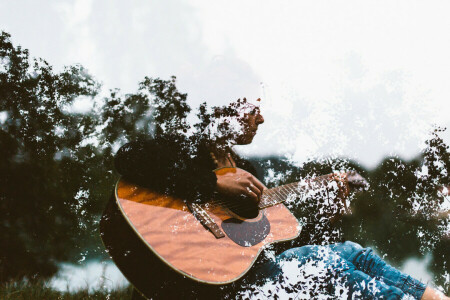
[215, 243]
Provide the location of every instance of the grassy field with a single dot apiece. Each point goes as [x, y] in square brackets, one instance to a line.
[41, 290]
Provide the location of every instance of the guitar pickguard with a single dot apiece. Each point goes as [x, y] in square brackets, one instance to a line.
[246, 234]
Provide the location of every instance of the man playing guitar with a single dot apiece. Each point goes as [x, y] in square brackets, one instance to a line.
[183, 167]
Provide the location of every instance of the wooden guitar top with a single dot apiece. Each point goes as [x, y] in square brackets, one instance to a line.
[171, 231]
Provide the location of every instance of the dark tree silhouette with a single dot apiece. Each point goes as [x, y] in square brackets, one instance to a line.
[56, 164]
[37, 160]
[57, 171]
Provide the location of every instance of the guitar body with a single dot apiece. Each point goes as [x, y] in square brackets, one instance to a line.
[164, 227]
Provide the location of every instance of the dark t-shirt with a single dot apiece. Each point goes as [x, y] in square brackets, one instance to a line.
[173, 165]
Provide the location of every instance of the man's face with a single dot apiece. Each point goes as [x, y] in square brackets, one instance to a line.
[250, 120]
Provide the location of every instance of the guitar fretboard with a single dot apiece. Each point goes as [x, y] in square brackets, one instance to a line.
[282, 193]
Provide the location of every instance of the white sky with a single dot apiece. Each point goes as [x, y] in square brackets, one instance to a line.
[360, 79]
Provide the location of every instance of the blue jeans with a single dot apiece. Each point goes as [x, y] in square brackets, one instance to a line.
[344, 270]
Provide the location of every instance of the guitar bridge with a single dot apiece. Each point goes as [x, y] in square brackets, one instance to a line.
[202, 216]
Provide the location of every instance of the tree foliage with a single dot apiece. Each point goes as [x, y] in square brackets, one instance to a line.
[57, 171]
[38, 160]
[56, 163]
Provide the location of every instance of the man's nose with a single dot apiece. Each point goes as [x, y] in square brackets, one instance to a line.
[259, 119]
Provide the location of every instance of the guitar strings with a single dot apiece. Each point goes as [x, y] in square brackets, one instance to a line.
[266, 195]
[277, 193]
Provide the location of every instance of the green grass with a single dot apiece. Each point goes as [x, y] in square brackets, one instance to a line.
[41, 290]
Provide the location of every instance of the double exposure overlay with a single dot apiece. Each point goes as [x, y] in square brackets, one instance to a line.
[61, 165]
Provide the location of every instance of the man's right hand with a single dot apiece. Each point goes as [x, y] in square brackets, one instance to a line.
[240, 183]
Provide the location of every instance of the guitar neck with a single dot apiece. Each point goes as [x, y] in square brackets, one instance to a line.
[281, 193]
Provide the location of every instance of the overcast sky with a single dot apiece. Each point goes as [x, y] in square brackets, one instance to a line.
[361, 79]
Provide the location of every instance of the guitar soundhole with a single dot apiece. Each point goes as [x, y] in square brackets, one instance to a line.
[244, 208]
